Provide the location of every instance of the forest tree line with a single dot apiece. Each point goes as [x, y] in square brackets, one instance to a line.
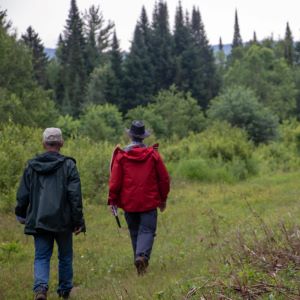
[171, 78]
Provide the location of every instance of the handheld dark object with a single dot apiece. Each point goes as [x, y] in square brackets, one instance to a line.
[115, 212]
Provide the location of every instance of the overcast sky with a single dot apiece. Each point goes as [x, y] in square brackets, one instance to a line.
[266, 17]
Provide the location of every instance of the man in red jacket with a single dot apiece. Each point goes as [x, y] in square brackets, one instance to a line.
[139, 184]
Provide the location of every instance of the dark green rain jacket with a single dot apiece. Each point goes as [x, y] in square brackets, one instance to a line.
[49, 195]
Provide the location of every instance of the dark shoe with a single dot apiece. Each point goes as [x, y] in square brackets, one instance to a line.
[40, 295]
[141, 264]
[64, 294]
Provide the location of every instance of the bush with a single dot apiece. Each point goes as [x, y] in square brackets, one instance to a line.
[219, 153]
[18, 144]
[102, 122]
[173, 113]
[240, 107]
[33, 108]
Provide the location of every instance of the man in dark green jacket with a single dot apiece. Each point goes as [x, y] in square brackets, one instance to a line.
[49, 203]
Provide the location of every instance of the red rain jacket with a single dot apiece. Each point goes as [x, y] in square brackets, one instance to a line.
[139, 180]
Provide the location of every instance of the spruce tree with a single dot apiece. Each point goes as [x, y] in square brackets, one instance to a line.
[161, 45]
[116, 62]
[39, 57]
[220, 46]
[138, 84]
[237, 39]
[4, 23]
[98, 36]
[204, 80]
[181, 32]
[288, 46]
[73, 62]
[182, 45]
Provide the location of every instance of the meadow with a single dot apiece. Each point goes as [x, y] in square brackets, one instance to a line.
[198, 239]
[230, 231]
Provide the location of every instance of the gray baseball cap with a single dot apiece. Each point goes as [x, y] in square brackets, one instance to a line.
[52, 135]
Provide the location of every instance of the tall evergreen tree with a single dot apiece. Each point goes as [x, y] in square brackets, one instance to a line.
[116, 57]
[181, 32]
[116, 62]
[254, 37]
[220, 47]
[138, 84]
[182, 44]
[237, 39]
[288, 46]
[98, 36]
[39, 57]
[204, 81]
[4, 23]
[161, 45]
[73, 62]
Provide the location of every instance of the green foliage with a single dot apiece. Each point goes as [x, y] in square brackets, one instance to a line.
[93, 161]
[103, 86]
[269, 77]
[18, 144]
[139, 83]
[219, 153]
[72, 57]
[69, 126]
[284, 154]
[180, 112]
[15, 64]
[32, 107]
[171, 113]
[101, 122]
[39, 57]
[239, 106]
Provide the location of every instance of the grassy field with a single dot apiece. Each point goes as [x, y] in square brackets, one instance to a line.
[198, 252]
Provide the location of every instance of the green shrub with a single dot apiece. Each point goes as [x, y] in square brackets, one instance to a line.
[17, 145]
[219, 153]
[240, 107]
[93, 160]
[102, 122]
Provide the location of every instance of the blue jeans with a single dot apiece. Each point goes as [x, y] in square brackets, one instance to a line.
[142, 228]
[44, 243]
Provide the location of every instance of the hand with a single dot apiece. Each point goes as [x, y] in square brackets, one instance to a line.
[162, 206]
[114, 210]
[77, 230]
[21, 220]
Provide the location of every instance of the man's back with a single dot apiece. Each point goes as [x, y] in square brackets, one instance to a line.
[139, 178]
[49, 195]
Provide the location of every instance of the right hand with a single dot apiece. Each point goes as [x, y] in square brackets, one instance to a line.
[162, 206]
[114, 209]
[77, 230]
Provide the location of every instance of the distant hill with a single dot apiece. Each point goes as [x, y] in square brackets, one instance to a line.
[50, 52]
[227, 49]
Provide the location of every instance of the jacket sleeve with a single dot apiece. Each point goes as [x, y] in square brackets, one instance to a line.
[75, 197]
[23, 195]
[115, 182]
[163, 178]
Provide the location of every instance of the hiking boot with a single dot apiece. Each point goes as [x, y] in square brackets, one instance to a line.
[64, 294]
[141, 264]
[40, 295]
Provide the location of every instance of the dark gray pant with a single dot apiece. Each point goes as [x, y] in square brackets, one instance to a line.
[142, 228]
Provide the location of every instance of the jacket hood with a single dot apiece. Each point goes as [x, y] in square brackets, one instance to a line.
[47, 162]
[138, 153]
